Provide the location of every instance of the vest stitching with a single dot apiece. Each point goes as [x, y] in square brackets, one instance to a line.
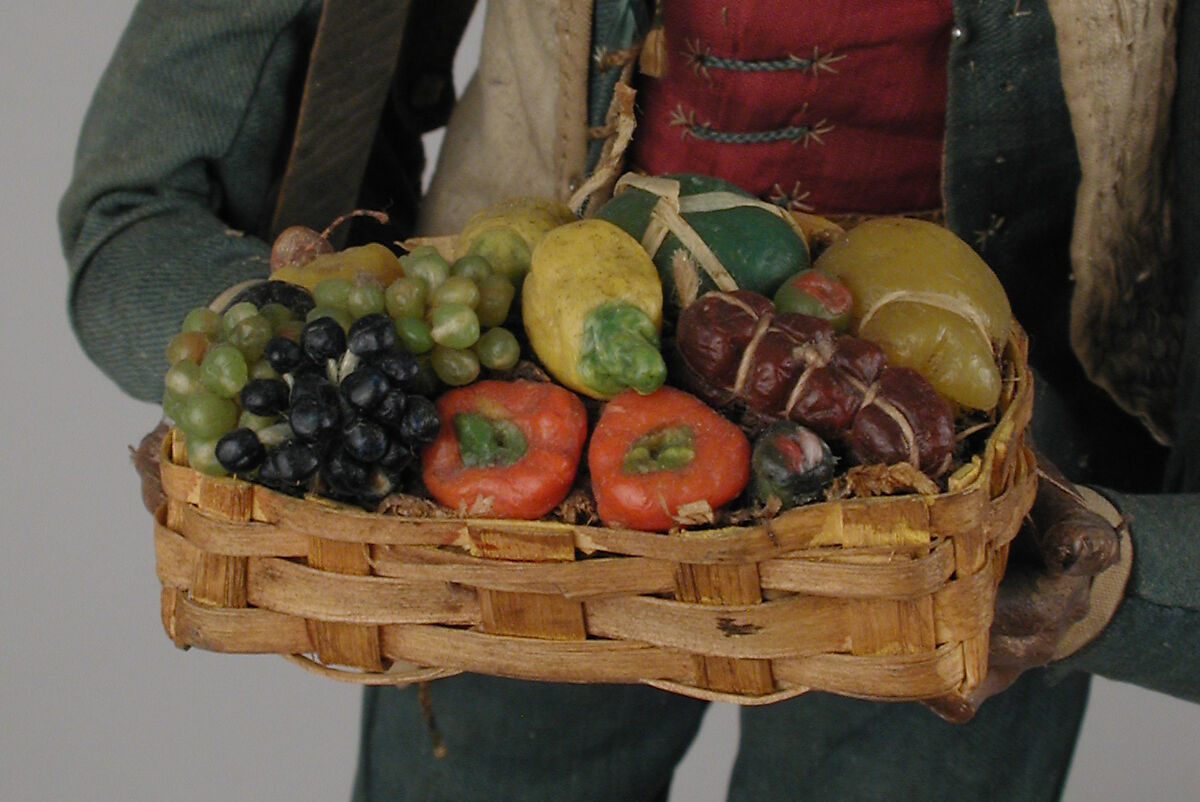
[791, 199]
[803, 134]
[701, 58]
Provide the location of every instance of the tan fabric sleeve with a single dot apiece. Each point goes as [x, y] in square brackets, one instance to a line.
[501, 139]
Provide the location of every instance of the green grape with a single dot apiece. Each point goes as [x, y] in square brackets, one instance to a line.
[262, 370]
[342, 316]
[505, 250]
[473, 267]
[250, 336]
[187, 345]
[276, 434]
[332, 292]
[206, 415]
[248, 420]
[498, 349]
[224, 370]
[202, 456]
[454, 366]
[290, 329]
[496, 295]
[455, 290]
[235, 315]
[405, 297]
[454, 325]
[426, 381]
[172, 405]
[183, 378]
[425, 263]
[276, 313]
[202, 319]
[414, 333]
[365, 299]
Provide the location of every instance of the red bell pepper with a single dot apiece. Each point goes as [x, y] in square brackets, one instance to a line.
[506, 449]
[652, 454]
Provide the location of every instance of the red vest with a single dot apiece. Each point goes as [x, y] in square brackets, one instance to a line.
[828, 105]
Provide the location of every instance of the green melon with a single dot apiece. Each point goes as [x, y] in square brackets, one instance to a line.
[758, 248]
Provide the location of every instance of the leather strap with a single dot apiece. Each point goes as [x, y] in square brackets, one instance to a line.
[350, 70]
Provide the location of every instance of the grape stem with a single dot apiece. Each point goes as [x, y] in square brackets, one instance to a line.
[340, 369]
[380, 216]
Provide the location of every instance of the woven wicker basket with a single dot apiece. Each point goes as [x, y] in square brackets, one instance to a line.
[884, 598]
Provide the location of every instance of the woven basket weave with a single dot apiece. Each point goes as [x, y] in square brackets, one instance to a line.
[883, 598]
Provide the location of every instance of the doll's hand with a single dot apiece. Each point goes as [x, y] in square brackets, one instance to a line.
[145, 461]
[1047, 588]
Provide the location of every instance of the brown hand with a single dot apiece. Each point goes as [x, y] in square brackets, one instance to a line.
[145, 461]
[1046, 587]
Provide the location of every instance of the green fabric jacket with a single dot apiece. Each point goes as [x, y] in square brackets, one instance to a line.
[175, 179]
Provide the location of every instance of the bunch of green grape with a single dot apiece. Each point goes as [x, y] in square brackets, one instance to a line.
[452, 312]
[214, 355]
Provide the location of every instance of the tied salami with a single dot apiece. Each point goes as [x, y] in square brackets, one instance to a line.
[736, 348]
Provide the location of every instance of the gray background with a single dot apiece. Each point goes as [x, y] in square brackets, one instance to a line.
[97, 703]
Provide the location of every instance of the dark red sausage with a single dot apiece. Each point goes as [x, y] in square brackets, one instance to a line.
[735, 348]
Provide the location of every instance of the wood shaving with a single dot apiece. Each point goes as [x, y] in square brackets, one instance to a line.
[695, 513]
[863, 481]
[410, 506]
[578, 508]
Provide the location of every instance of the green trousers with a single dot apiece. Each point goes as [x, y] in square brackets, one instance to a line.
[507, 740]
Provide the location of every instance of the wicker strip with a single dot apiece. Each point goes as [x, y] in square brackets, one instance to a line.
[531, 658]
[883, 677]
[795, 625]
[238, 539]
[306, 592]
[828, 575]
[242, 631]
[595, 578]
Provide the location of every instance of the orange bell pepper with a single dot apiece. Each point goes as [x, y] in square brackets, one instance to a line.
[506, 449]
[651, 454]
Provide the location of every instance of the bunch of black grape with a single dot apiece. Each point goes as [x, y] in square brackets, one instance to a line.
[330, 411]
[345, 394]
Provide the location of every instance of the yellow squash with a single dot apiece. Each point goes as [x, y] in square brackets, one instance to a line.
[576, 270]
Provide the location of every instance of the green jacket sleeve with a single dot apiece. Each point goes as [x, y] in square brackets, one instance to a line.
[1153, 640]
[174, 171]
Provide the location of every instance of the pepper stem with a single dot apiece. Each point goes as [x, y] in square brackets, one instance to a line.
[620, 349]
[484, 442]
[665, 449]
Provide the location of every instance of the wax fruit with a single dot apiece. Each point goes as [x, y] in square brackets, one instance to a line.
[754, 243]
[373, 262]
[505, 233]
[592, 307]
[816, 293]
[653, 457]
[300, 406]
[929, 300]
[791, 465]
[510, 449]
